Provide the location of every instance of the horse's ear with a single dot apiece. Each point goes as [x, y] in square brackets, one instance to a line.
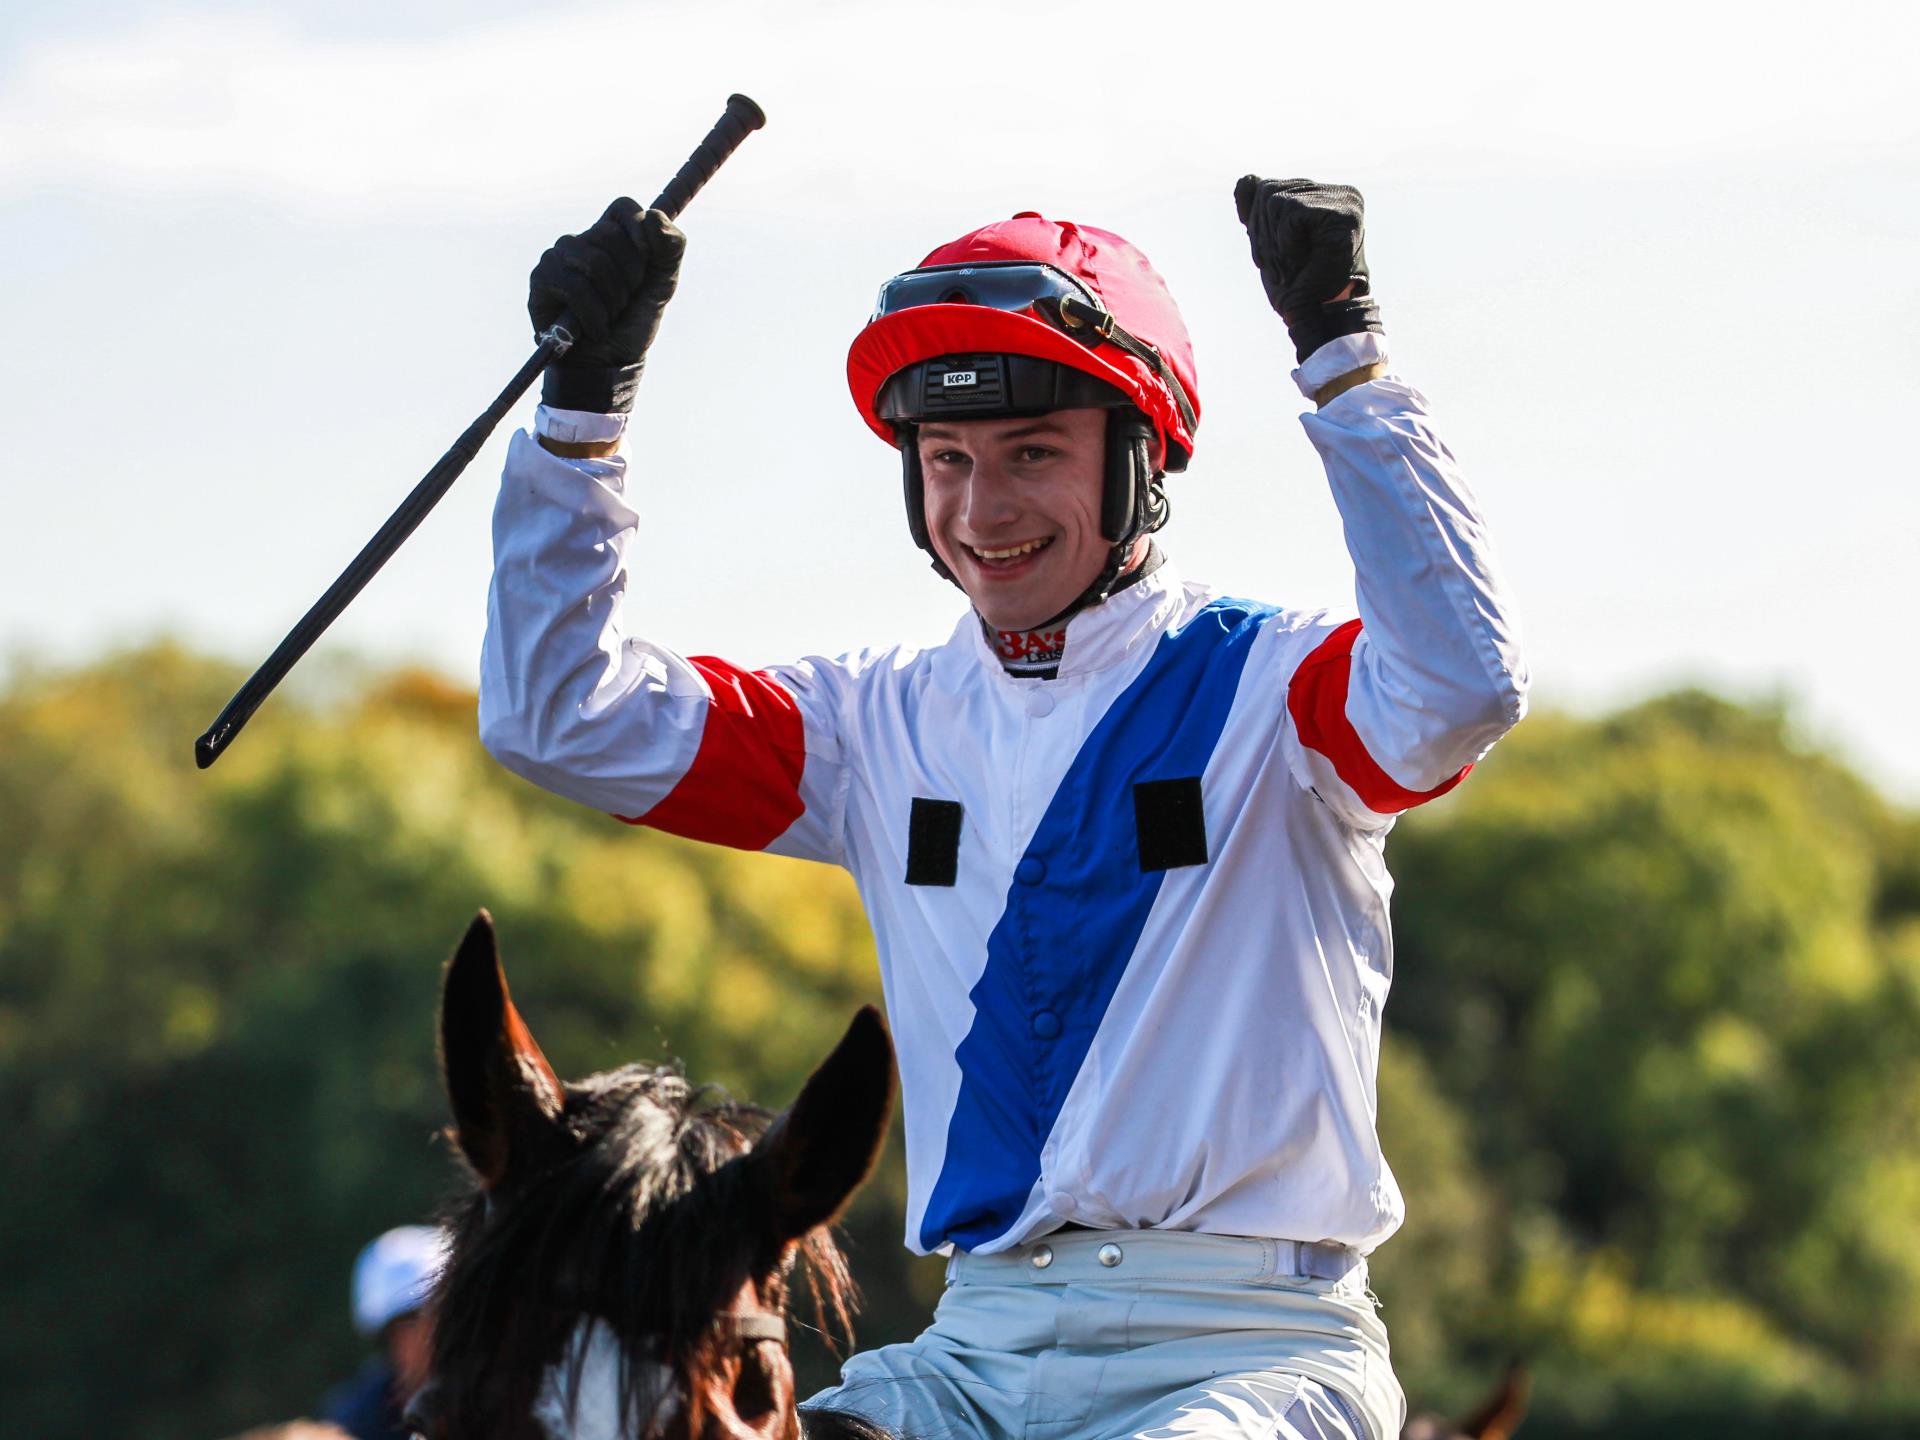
[818, 1153]
[1500, 1413]
[503, 1092]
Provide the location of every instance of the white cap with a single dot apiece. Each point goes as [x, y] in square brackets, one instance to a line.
[395, 1274]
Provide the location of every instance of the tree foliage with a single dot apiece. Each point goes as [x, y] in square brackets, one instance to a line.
[216, 1017]
[1665, 962]
[1654, 1088]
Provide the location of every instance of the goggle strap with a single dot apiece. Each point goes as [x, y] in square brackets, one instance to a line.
[1073, 315]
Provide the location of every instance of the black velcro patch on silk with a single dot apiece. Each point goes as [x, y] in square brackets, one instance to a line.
[1171, 823]
[933, 842]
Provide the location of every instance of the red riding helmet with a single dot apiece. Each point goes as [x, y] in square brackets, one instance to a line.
[1026, 316]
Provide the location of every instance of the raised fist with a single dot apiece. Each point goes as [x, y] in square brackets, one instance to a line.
[616, 278]
[1309, 241]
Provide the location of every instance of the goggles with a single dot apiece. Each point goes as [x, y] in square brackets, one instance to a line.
[1028, 286]
[999, 285]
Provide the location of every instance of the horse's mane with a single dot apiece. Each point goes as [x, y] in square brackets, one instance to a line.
[641, 1222]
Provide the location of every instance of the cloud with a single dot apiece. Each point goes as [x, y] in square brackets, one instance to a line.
[871, 99]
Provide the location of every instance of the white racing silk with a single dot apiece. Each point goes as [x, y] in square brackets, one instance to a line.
[1131, 921]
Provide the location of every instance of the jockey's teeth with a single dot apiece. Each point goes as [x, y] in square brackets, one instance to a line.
[1017, 550]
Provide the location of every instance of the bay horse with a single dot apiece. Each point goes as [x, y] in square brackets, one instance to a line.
[622, 1267]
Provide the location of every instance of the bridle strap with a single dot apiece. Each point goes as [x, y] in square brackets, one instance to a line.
[753, 1327]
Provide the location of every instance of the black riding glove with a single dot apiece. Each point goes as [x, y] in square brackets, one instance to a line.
[1309, 241]
[616, 278]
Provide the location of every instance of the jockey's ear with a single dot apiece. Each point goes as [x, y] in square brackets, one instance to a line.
[505, 1097]
[817, 1154]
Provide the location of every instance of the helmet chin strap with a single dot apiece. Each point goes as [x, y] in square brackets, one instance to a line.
[1110, 579]
[1133, 503]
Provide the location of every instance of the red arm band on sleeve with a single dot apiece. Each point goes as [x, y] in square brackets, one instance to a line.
[743, 788]
[1317, 701]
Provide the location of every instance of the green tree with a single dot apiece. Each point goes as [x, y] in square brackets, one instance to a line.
[1665, 962]
[216, 1007]
[1652, 1087]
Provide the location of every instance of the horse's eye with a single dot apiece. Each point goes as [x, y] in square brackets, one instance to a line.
[756, 1393]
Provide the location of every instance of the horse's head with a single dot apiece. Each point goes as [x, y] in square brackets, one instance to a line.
[622, 1268]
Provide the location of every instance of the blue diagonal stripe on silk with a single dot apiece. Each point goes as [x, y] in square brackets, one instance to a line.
[1056, 956]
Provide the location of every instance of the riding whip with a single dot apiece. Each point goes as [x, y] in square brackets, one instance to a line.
[741, 119]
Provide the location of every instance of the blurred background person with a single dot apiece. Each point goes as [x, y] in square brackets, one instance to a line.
[393, 1278]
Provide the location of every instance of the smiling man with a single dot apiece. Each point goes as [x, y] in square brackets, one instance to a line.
[1120, 837]
[1013, 508]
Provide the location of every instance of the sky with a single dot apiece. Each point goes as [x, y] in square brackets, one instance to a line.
[1652, 266]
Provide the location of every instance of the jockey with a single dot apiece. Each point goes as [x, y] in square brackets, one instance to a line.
[1120, 837]
[393, 1279]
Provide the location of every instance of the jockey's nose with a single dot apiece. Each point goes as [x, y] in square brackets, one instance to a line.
[990, 498]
